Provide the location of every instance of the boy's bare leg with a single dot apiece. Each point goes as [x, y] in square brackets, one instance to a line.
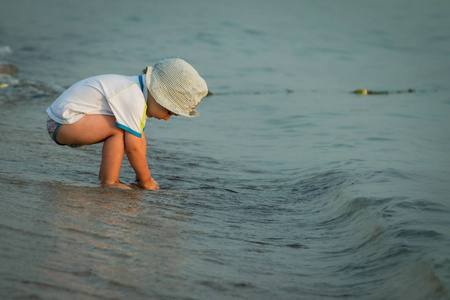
[92, 129]
[112, 156]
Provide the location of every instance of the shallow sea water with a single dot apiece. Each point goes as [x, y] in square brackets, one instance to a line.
[288, 186]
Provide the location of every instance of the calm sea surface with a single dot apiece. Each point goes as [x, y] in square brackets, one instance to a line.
[288, 186]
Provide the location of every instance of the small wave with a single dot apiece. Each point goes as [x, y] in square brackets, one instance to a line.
[414, 281]
[13, 89]
[319, 184]
[345, 211]
[423, 205]
[5, 50]
[418, 233]
[24, 232]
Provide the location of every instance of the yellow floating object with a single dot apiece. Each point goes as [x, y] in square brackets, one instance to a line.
[369, 92]
[3, 85]
[361, 91]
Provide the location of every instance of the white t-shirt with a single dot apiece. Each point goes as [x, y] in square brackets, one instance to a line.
[124, 97]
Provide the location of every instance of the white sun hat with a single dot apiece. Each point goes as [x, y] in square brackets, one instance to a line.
[176, 86]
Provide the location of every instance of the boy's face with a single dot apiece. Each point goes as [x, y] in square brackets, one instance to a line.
[155, 110]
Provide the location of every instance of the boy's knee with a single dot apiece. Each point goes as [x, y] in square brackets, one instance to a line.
[118, 132]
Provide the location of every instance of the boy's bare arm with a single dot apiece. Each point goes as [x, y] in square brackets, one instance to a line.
[135, 149]
[144, 143]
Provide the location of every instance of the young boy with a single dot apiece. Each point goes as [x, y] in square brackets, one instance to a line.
[113, 109]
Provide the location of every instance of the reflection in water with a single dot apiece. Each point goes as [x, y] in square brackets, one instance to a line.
[109, 243]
